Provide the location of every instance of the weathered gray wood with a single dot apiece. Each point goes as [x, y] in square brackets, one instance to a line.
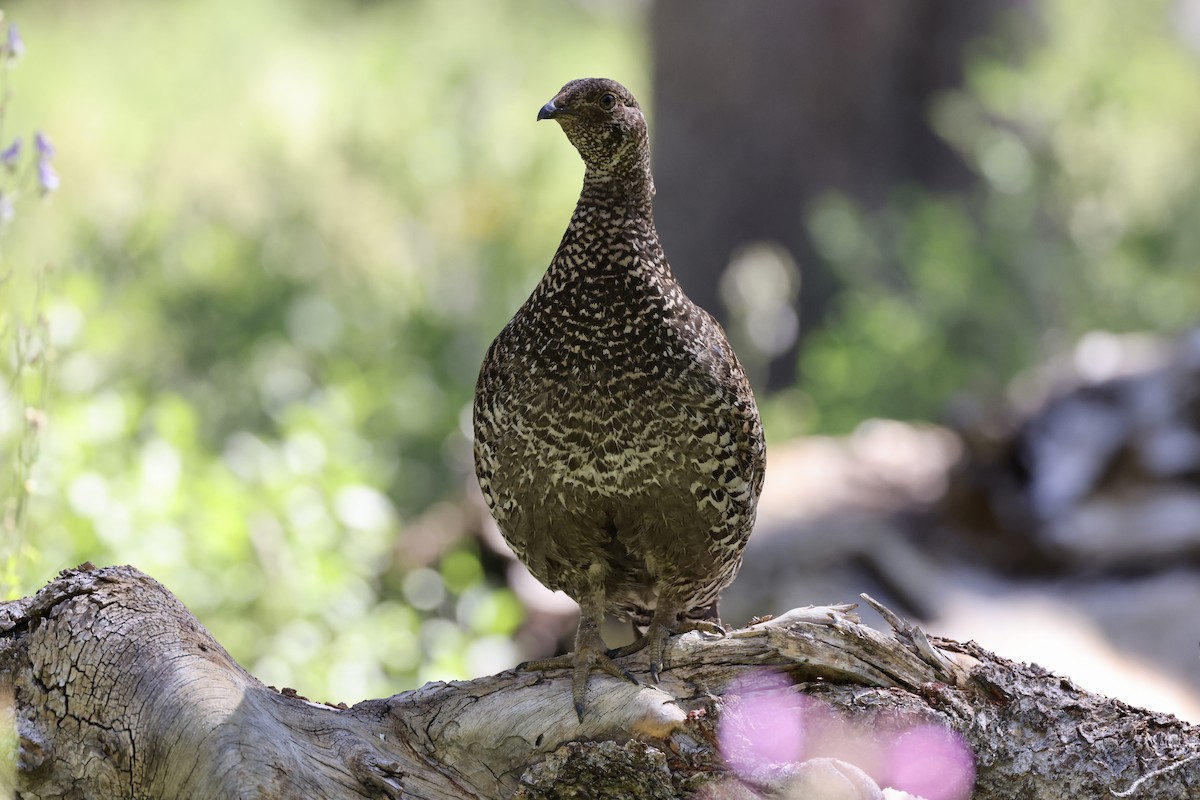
[120, 692]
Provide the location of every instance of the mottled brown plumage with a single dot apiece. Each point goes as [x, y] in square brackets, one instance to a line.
[617, 441]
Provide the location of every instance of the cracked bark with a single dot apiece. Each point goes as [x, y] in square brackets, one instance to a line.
[119, 692]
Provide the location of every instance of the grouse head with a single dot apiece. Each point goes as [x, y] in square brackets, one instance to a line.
[605, 123]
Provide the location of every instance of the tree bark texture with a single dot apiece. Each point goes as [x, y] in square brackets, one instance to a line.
[118, 691]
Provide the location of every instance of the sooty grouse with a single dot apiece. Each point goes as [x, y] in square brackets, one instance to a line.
[617, 441]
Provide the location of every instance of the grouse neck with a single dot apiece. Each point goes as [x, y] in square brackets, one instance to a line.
[632, 188]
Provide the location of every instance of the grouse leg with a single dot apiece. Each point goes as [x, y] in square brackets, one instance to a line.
[590, 651]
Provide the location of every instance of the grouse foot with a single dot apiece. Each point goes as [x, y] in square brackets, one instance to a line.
[656, 636]
[590, 654]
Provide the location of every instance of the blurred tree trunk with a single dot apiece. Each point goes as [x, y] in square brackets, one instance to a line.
[762, 107]
[117, 691]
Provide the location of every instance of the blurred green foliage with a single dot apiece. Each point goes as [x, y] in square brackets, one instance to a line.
[286, 233]
[26, 166]
[1083, 134]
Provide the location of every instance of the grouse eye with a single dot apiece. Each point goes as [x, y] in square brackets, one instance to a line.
[607, 101]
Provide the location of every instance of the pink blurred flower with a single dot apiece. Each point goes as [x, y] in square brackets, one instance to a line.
[762, 724]
[931, 762]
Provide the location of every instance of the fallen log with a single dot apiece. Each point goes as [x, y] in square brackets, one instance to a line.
[118, 691]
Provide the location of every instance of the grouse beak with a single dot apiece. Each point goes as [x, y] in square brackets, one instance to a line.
[548, 111]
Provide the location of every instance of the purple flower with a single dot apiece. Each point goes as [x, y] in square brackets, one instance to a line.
[13, 46]
[6, 209]
[44, 146]
[11, 154]
[47, 177]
